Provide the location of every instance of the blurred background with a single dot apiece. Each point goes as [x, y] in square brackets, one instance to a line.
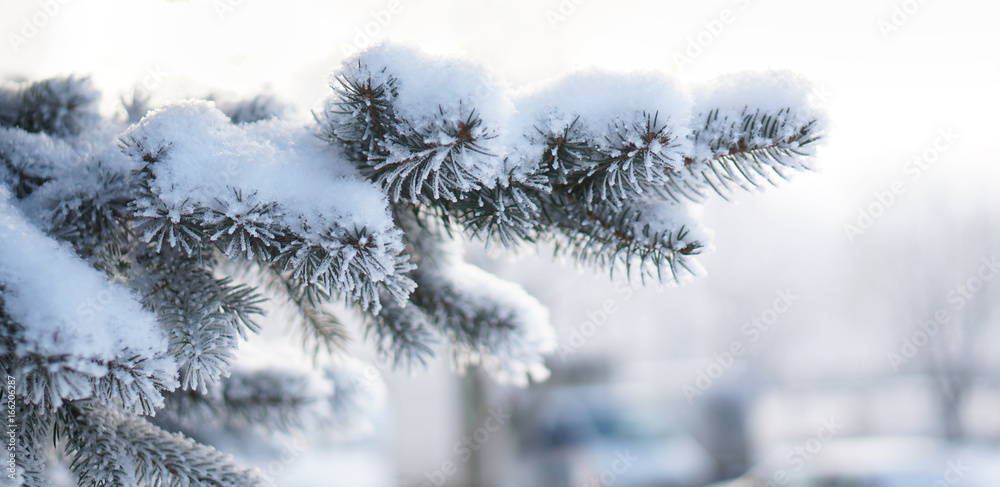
[847, 332]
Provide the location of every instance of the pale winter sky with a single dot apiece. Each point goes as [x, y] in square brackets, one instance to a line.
[890, 81]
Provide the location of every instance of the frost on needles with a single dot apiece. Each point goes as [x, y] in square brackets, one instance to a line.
[136, 255]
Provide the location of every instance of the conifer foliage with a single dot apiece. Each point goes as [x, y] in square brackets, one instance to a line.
[136, 255]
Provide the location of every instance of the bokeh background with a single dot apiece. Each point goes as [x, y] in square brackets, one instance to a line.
[895, 235]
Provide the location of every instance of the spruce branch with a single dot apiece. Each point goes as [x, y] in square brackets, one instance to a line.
[273, 400]
[345, 261]
[132, 382]
[633, 159]
[34, 430]
[618, 237]
[260, 107]
[360, 118]
[425, 164]
[745, 151]
[321, 330]
[416, 157]
[96, 225]
[29, 160]
[476, 324]
[250, 231]
[402, 335]
[98, 456]
[57, 106]
[204, 316]
[351, 261]
[22, 178]
[509, 212]
[413, 162]
[110, 448]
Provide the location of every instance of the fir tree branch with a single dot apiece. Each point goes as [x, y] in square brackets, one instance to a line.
[24, 180]
[103, 444]
[611, 237]
[269, 399]
[596, 188]
[744, 151]
[632, 160]
[469, 323]
[98, 455]
[204, 316]
[133, 382]
[96, 225]
[509, 212]
[33, 429]
[351, 261]
[413, 163]
[320, 328]
[401, 334]
[58, 106]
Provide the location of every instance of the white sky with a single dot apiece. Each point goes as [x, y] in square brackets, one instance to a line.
[886, 97]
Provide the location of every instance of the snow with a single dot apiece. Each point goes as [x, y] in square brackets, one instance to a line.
[520, 354]
[69, 309]
[599, 98]
[274, 160]
[667, 219]
[596, 100]
[429, 87]
[433, 94]
[457, 109]
[42, 154]
[208, 162]
[768, 90]
[781, 94]
[245, 110]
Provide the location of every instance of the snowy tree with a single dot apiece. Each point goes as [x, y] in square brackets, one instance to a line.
[136, 255]
[943, 317]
